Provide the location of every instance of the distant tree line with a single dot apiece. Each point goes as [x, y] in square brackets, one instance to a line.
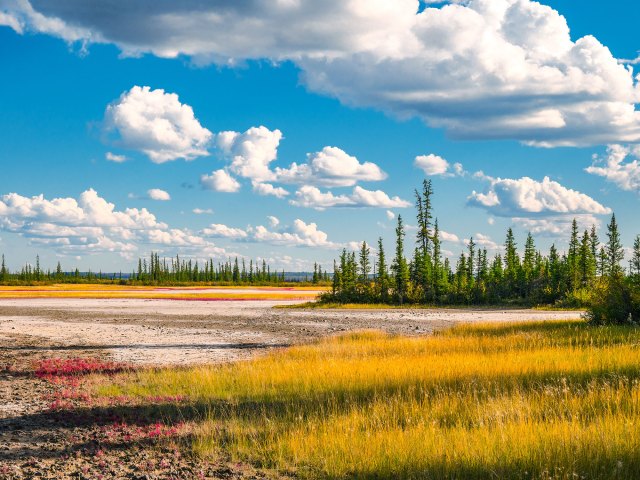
[165, 271]
[559, 278]
[236, 272]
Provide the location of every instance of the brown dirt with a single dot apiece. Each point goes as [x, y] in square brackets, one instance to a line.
[75, 442]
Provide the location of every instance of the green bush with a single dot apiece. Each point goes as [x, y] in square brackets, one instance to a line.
[614, 300]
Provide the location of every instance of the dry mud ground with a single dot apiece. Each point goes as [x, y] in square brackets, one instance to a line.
[36, 442]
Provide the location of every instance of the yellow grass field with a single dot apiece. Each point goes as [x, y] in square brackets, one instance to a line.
[528, 400]
[170, 293]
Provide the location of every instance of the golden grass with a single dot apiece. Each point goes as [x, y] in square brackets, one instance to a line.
[525, 400]
[97, 291]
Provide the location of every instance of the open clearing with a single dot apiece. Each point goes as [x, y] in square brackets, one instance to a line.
[47, 427]
[208, 326]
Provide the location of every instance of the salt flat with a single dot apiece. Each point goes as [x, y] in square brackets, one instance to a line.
[161, 331]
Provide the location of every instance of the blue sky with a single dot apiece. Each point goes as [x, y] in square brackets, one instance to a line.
[72, 92]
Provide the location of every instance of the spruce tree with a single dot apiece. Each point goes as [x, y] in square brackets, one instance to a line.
[613, 249]
[427, 193]
[335, 284]
[602, 261]
[572, 255]
[38, 271]
[364, 263]
[437, 270]
[471, 248]
[511, 262]
[483, 266]
[421, 236]
[382, 279]
[586, 262]
[3, 270]
[528, 264]
[595, 242]
[236, 272]
[635, 258]
[555, 270]
[399, 266]
[462, 276]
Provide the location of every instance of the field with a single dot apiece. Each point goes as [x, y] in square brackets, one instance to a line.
[534, 400]
[218, 293]
[234, 388]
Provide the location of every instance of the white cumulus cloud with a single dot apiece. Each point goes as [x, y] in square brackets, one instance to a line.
[484, 241]
[266, 189]
[301, 234]
[91, 224]
[432, 164]
[112, 157]
[220, 181]
[449, 237]
[251, 152]
[556, 226]
[157, 124]
[220, 230]
[202, 211]
[273, 221]
[526, 197]
[312, 197]
[624, 174]
[331, 167]
[158, 194]
[435, 165]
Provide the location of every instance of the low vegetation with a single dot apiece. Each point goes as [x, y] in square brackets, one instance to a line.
[529, 400]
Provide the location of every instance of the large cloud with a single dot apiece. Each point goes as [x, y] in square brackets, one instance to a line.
[526, 197]
[626, 175]
[157, 124]
[480, 69]
[91, 224]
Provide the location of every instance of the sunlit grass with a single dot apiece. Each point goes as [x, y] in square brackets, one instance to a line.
[97, 291]
[526, 400]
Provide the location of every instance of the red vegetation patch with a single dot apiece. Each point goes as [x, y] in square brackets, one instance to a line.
[63, 368]
[67, 374]
[120, 432]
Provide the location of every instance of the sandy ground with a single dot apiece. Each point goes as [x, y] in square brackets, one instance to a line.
[180, 332]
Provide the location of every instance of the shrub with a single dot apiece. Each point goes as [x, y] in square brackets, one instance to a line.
[614, 300]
